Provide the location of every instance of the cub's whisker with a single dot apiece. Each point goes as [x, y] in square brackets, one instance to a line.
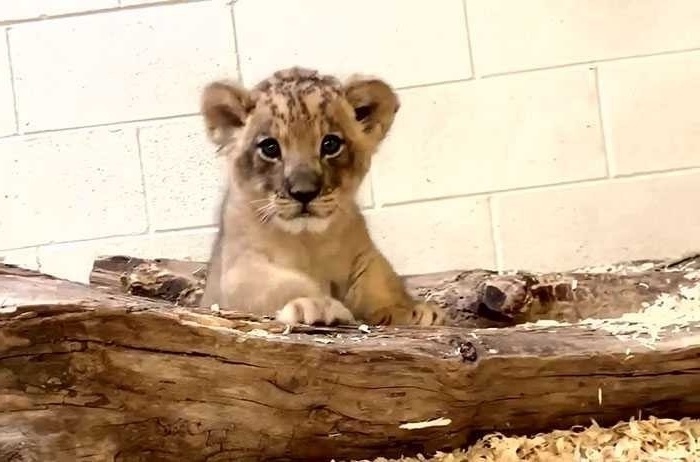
[266, 212]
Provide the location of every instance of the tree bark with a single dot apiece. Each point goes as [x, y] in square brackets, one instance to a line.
[93, 374]
[475, 298]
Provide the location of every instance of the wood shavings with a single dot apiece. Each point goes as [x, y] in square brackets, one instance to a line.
[646, 326]
[364, 328]
[667, 313]
[621, 269]
[440, 422]
[215, 308]
[651, 440]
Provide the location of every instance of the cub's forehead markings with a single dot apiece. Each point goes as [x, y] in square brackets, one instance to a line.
[297, 95]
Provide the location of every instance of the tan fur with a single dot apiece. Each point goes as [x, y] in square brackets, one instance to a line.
[273, 256]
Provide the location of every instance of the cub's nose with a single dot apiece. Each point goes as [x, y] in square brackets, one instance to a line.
[304, 196]
[304, 186]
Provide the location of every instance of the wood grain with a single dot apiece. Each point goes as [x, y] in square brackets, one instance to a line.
[89, 374]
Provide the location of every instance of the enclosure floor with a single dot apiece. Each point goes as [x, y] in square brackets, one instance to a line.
[636, 440]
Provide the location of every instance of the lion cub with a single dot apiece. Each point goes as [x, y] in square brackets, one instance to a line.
[292, 241]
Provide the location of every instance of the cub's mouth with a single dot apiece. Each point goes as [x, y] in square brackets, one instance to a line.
[319, 207]
[306, 211]
[294, 216]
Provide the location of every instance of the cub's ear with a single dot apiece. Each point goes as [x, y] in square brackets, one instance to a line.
[225, 106]
[375, 105]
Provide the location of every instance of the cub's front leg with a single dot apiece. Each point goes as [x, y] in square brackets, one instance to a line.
[255, 285]
[378, 294]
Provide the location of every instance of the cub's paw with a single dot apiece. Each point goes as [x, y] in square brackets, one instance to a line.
[315, 311]
[420, 314]
[427, 314]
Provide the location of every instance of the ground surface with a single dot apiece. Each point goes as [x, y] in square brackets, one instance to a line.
[647, 440]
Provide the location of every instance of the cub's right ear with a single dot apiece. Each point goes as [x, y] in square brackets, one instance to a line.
[225, 106]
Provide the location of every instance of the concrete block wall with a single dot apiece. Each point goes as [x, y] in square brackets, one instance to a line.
[533, 134]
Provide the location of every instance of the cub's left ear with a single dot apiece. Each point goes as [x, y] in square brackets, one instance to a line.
[375, 105]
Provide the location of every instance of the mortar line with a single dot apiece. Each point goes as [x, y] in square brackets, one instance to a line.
[470, 48]
[496, 234]
[609, 160]
[485, 194]
[593, 61]
[112, 238]
[115, 124]
[76, 14]
[554, 186]
[547, 68]
[72, 241]
[13, 90]
[146, 206]
[376, 204]
[239, 71]
[372, 198]
[434, 84]
[184, 229]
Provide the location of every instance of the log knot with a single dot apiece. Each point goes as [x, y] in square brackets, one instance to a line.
[465, 349]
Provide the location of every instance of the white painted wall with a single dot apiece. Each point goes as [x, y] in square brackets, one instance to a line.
[532, 133]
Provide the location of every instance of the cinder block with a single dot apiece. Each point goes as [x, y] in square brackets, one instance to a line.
[399, 40]
[12, 10]
[74, 261]
[7, 104]
[68, 186]
[600, 223]
[184, 176]
[650, 111]
[510, 35]
[162, 58]
[493, 134]
[434, 236]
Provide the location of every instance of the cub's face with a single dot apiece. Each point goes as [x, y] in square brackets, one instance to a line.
[299, 143]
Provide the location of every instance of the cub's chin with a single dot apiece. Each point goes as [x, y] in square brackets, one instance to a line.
[303, 223]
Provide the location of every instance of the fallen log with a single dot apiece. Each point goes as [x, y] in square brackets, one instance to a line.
[93, 374]
[474, 298]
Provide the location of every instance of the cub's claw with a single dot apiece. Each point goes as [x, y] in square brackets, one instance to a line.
[427, 314]
[420, 314]
[315, 311]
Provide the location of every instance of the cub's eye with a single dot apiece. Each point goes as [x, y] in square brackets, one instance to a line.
[270, 148]
[331, 145]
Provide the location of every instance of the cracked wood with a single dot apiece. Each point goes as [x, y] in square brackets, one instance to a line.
[88, 374]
